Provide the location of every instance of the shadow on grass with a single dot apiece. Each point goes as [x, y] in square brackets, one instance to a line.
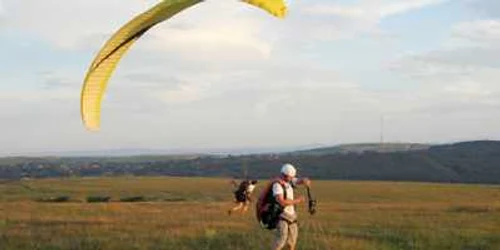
[54, 199]
[470, 209]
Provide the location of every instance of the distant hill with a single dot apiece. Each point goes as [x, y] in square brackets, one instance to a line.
[366, 147]
[466, 162]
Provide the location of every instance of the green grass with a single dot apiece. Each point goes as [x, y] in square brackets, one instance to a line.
[190, 213]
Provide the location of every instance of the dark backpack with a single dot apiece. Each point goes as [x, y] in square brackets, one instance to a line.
[240, 193]
[268, 210]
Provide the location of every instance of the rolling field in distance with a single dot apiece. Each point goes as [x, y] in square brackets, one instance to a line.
[191, 213]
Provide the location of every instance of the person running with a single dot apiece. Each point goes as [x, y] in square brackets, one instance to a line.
[243, 195]
[287, 228]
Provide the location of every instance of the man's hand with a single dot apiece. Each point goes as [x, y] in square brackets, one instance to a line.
[306, 182]
[299, 199]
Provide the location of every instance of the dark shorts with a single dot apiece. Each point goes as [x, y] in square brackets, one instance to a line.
[240, 197]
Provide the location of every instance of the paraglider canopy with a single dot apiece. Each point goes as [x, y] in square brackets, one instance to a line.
[110, 54]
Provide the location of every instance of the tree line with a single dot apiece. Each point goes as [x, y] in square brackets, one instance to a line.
[466, 162]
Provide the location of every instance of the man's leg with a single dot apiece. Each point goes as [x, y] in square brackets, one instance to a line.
[245, 206]
[238, 207]
[281, 235]
[293, 233]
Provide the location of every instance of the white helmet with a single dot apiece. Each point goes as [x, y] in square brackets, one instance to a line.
[289, 170]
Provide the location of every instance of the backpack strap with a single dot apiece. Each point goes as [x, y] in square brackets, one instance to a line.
[284, 218]
[268, 210]
[282, 183]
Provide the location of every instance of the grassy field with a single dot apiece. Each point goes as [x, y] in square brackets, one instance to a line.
[190, 213]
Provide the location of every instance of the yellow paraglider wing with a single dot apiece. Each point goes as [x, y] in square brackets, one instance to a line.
[274, 7]
[107, 59]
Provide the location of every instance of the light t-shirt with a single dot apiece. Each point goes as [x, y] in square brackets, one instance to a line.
[250, 188]
[278, 189]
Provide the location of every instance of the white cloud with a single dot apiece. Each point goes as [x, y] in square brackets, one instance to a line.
[219, 39]
[458, 82]
[479, 32]
[347, 21]
[204, 30]
[391, 8]
[469, 90]
[224, 75]
[371, 10]
[470, 53]
[3, 12]
[185, 93]
[485, 8]
[66, 24]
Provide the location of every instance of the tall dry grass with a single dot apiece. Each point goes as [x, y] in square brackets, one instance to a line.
[190, 213]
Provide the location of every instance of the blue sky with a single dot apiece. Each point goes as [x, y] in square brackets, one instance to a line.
[224, 75]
